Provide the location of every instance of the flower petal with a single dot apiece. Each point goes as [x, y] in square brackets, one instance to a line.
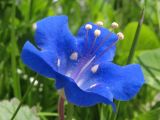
[130, 80]
[80, 97]
[102, 90]
[43, 62]
[53, 34]
[123, 82]
[102, 42]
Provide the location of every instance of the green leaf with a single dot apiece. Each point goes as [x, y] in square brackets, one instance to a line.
[147, 38]
[150, 115]
[7, 109]
[149, 61]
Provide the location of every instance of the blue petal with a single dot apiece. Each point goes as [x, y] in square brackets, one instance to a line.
[43, 62]
[104, 41]
[123, 82]
[102, 90]
[79, 97]
[130, 80]
[53, 34]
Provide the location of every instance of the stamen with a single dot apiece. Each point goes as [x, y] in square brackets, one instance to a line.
[99, 23]
[58, 62]
[74, 56]
[94, 68]
[97, 32]
[114, 25]
[108, 48]
[84, 68]
[102, 42]
[88, 26]
[99, 56]
[120, 36]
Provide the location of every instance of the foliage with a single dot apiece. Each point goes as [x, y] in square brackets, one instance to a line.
[149, 61]
[7, 108]
[16, 19]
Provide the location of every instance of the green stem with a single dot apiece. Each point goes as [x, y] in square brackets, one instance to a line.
[16, 82]
[70, 110]
[47, 114]
[149, 71]
[135, 40]
[116, 114]
[101, 112]
[24, 97]
[158, 15]
[152, 68]
[110, 114]
[30, 10]
[132, 51]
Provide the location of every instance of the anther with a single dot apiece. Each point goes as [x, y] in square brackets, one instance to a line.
[34, 26]
[74, 56]
[120, 36]
[114, 25]
[58, 62]
[88, 26]
[99, 23]
[97, 32]
[94, 68]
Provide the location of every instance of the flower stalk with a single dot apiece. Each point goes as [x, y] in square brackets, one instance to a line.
[24, 97]
[61, 108]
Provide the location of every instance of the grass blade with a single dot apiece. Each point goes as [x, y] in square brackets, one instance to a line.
[132, 51]
[16, 82]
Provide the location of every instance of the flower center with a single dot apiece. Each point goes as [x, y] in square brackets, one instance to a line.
[87, 62]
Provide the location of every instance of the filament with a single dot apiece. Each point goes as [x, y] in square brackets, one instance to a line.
[102, 42]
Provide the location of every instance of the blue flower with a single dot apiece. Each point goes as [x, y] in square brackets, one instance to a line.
[81, 65]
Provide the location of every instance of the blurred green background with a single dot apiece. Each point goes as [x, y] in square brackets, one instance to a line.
[16, 19]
